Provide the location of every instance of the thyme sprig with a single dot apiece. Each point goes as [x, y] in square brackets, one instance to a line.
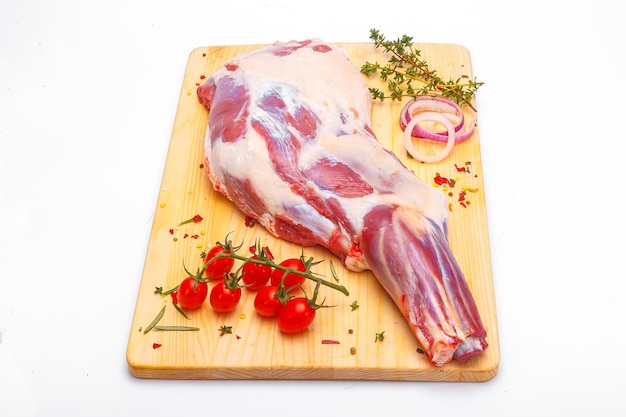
[407, 74]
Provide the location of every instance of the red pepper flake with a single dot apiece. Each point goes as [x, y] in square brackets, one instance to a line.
[439, 180]
[171, 231]
[249, 221]
[202, 77]
[465, 168]
[195, 236]
[462, 195]
[237, 336]
[185, 236]
[252, 249]
[330, 342]
[156, 345]
[463, 204]
[195, 219]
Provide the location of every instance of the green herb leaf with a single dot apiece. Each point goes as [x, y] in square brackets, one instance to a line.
[405, 68]
[155, 321]
[225, 330]
[180, 310]
[175, 328]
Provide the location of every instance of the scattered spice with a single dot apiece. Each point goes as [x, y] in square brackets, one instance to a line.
[420, 351]
[439, 180]
[242, 316]
[352, 350]
[380, 336]
[446, 184]
[350, 331]
[201, 166]
[162, 205]
[249, 221]
[225, 330]
[330, 342]
[156, 345]
[171, 231]
[465, 168]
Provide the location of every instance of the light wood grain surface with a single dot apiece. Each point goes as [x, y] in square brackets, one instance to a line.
[256, 349]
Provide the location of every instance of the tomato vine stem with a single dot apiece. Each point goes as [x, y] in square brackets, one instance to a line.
[308, 274]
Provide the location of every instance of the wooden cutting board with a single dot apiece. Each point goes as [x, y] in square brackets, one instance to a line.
[256, 349]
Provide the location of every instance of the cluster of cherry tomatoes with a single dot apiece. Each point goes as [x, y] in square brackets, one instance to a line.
[275, 285]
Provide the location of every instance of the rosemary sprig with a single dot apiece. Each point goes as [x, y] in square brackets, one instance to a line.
[158, 317]
[408, 75]
[176, 328]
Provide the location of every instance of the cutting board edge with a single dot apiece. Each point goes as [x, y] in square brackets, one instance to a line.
[335, 374]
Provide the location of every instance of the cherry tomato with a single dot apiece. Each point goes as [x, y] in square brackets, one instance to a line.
[291, 280]
[266, 303]
[255, 276]
[190, 298]
[219, 267]
[223, 299]
[296, 316]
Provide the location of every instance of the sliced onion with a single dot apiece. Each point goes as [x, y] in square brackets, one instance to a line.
[440, 105]
[429, 116]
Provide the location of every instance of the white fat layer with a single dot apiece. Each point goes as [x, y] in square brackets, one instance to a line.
[249, 160]
[313, 74]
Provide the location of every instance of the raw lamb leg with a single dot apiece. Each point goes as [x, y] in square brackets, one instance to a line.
[289, 142]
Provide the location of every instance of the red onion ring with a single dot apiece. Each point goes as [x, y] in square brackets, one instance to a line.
[441, 105]
[432, 116]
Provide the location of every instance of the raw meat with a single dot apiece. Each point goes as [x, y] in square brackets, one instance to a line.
[289, 142]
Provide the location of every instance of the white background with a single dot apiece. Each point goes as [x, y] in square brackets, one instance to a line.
[88, 94]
